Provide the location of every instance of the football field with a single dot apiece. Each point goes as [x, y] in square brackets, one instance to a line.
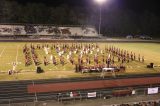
[12, 52]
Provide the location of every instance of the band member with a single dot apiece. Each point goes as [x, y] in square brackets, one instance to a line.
[96, 59]
[71, 60]
[62, 60]
[143, 59]
[82, 61]
[87, 60]
[108, 61]
[103, 59]
[127, 60]
[79, 59]
[122, 60]
[131, 56]
[127, 55]
[54, 60]
[134, 56]
[119, 59]
[45, 60]
[113, 60]
[139, 58]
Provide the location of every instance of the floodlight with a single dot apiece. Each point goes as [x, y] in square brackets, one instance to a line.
[100, 1]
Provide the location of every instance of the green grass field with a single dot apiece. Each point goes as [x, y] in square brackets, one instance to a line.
[13, 52]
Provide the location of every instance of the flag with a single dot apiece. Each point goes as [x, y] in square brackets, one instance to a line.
[153, 90]
[92, 95]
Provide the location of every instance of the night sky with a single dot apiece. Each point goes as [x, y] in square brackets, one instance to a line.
[135, 5]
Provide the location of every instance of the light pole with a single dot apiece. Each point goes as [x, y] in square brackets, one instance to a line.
[100, 3]
[100, 20]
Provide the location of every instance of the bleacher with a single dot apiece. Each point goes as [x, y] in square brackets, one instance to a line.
[47, 30]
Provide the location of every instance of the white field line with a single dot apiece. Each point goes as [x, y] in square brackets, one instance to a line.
[2, 52]
[17, 55]
[40, 57]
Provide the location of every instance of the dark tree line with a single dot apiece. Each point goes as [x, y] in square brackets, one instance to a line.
[114, 21]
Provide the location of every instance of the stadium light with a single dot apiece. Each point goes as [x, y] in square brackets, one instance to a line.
[100, 2]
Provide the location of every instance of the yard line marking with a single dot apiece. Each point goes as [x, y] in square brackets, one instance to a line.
[2, 52]
[39, 56]
[17, 55]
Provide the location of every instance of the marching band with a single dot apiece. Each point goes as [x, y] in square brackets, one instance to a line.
[86, 55]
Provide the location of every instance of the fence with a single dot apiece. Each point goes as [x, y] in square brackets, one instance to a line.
[75, 95]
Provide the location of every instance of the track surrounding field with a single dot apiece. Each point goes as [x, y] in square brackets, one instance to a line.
[101, 84]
